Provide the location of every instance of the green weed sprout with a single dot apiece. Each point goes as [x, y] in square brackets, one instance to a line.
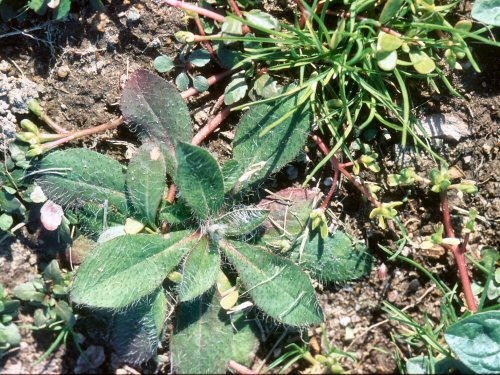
[218, 258]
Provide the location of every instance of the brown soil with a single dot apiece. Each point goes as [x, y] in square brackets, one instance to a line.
[101, 52]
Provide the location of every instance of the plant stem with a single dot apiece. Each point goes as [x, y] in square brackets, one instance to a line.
[194, 8]
[211, 81]
[83, 133]
[52, 124]
[237, 10]
[240, 369]
[171, 194]
[336, 165]
[210, 126]
[208, 44]
[458, 253]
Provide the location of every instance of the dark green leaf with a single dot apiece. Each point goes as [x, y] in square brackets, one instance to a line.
[231, 172]
[200, 269]
[163, 64]
[156, 109]
[200, 83]
[200, 57]
[333, 259]
[127, 268]
[182, 81]
[146, 182]
[63, 9]
[9, 203]
[80, 177]
[260, 156]
[176, 214]
[476, 341]
[200, 180]
[136, 332]
[276, 285]
[205, 339]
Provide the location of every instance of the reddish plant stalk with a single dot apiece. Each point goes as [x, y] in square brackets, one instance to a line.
[211, 81]
[194, 8]
[208, 44]
[458, 253]
[210, 126]
[171, 194]
[52, 124]
[83, 133]
[240, 369]
[336, 165]
[329, 197]
[237, 10]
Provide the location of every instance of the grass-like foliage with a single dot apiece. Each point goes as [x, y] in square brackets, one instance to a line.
[220, 255]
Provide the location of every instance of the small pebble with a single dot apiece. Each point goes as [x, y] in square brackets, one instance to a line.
[392, 296]
[328, 182]
[133, 15]
[467, 159]
[63, 71]
[344, 322]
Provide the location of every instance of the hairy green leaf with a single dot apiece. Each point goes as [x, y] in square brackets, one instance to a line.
[127, 268]
[276, 285]
[155, 108]
[146, 182]
[333, 259]
[200, 269]
[476, 341]
[79, 177]
[241, 221]
[231, 172]
[260, 156]
[136, 332]
[200, 180]
[205, 339]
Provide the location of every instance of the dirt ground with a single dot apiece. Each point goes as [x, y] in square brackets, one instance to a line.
[99, 52]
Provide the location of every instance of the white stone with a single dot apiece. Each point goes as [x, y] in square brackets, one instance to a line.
[446, 126]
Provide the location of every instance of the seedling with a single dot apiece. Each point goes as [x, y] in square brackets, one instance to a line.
[9, 332]
[214, 239]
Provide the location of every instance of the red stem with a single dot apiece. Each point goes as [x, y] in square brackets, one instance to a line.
[458, 253]
[237, 10]
[82, 133]
[240, 369]
[208, 44]
[194, 8]
[337, 165]
[52, 124]
[211, 81]
[171, 194]
[210, 126]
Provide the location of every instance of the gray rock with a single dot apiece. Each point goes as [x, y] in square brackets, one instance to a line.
[447, 126]
[15, 94]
